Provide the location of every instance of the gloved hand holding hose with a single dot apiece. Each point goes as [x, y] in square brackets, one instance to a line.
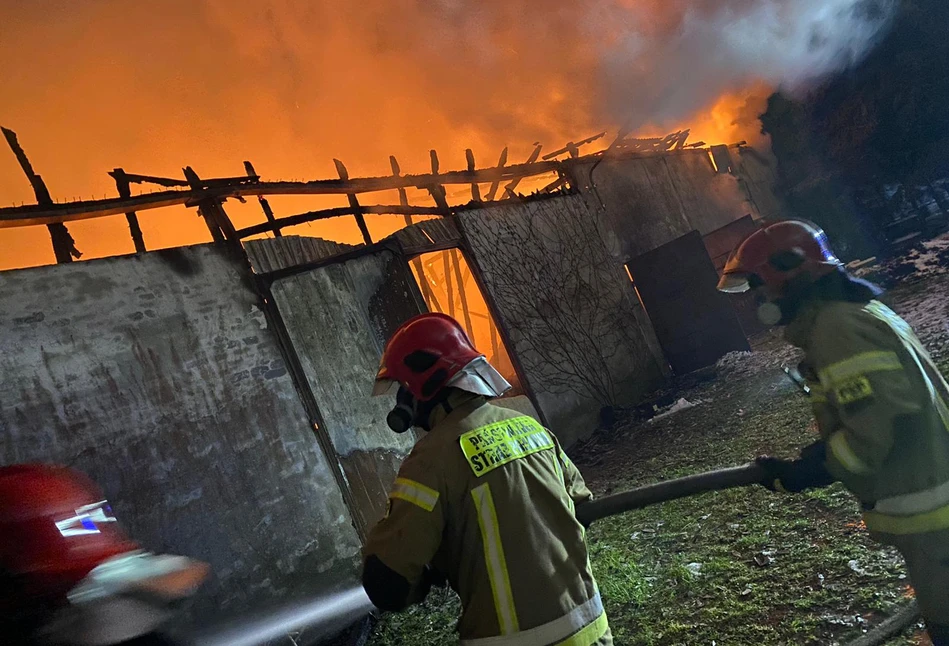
[793, 476]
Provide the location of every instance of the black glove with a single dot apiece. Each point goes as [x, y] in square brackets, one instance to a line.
[794, 476]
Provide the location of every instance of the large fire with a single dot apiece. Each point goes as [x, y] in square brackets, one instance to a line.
[291, 84]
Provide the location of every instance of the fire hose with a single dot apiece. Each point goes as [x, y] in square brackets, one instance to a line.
[325, 617]
[741, 476]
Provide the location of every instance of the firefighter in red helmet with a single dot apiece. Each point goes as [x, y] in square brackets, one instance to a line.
[69, 575]
[881, 404]
[485, 499]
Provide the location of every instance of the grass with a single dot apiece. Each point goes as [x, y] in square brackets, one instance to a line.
[739, 567]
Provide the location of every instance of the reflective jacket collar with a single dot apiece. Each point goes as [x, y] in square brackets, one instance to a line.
[460, 403]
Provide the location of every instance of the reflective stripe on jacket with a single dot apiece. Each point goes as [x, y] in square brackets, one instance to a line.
[487, 497]
[881, 405]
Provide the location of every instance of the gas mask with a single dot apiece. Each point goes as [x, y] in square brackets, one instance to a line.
[780, 310]
[402, 417]
[769, 313]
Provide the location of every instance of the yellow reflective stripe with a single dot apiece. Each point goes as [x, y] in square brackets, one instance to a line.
[911, 504]
[928, 522]
[928, 370]
[415, 493]
[566, 627]
[859, 365]
[494, 559]
[589, 634]
[841, 450]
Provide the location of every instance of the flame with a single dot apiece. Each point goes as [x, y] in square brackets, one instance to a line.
[291, 84]
[732, 118]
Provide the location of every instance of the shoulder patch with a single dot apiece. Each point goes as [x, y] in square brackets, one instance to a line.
[494, 445]
[853, 390]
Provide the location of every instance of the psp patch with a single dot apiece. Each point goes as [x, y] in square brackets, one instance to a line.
[853, 390]
[492, 446]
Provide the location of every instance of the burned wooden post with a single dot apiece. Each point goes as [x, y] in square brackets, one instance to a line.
[427, 292]
[557, 183]
[211, 210]
[572, 148]
[448, 285]
[462, 295]
[123, 185]
[437, 191]
[64, 247]
[354, 203]
[493, 331]
[509, 189]
[475, 189]
[403, 197]
[264, 204]
[497, 183]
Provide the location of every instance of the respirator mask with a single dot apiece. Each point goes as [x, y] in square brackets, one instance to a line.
[402, 417]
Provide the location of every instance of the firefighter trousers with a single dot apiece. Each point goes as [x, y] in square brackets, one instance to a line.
[927, 561]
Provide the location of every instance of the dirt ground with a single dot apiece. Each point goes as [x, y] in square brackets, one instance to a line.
[740, 567]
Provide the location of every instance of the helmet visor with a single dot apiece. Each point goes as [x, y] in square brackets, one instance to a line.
[385, 386]
[480, 377]
[734, 283]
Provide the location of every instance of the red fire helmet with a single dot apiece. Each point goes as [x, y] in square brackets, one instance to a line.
[56, 526]
[776, 254]
[423, 355]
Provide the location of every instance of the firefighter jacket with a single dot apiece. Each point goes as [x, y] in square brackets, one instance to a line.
[487, 497]
[881, 407]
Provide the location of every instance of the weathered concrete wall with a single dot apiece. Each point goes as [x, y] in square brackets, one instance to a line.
[339, 317]
[157, 375]
[566, 301]
[757, 177]
[652, 200]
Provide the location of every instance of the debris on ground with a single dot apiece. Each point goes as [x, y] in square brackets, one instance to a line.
[681, 404]
[925, 260]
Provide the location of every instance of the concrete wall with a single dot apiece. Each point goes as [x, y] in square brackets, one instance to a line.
[566, 301]
[339, 317]
[157, 375]
[757, 172]
[652, 200]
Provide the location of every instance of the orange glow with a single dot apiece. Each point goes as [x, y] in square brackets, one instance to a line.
[289, 85]
[457, 294]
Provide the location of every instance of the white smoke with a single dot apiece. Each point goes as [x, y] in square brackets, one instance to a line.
[708, 49]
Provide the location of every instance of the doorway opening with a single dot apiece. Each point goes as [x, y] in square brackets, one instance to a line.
[446, 283]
